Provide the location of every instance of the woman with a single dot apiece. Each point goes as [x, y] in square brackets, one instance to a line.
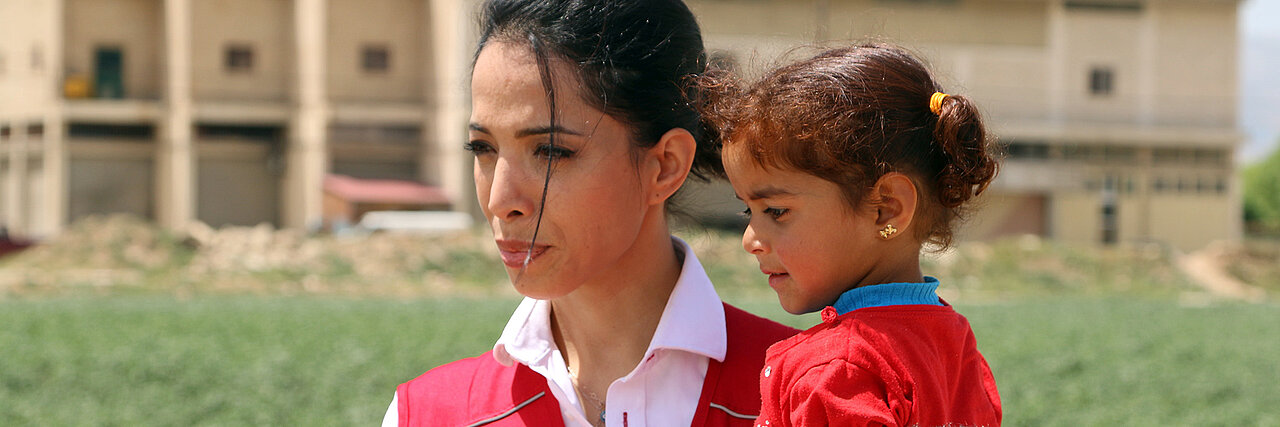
[583, 128]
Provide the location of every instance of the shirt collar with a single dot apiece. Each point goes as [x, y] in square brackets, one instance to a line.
[898, 293]
[693, 321]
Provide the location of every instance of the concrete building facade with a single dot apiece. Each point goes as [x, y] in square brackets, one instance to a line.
[224, 111]
[1118, 116]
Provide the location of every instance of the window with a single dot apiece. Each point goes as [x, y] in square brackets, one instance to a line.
[375, 58]
[111, 131]
[35, 130]
[239, 58]
[1101, 81]
[5, 132]
[1104, 6]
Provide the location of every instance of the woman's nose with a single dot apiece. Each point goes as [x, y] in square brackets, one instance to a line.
[509, 197]
[751, 242]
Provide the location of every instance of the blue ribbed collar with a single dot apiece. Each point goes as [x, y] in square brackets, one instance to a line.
[900, 293]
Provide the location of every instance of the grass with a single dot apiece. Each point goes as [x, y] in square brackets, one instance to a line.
[157, 360]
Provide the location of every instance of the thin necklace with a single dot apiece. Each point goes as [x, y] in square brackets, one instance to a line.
[594, 398]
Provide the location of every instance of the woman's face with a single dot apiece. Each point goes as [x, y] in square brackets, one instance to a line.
[595, 202]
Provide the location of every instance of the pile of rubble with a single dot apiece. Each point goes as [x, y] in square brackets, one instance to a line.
[116, 253]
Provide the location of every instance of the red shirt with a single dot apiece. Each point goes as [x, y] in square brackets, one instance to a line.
[900, 365]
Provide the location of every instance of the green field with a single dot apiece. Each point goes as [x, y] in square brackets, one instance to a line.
[239, 360]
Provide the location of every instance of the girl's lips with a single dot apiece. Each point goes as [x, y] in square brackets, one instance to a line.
[776, 279]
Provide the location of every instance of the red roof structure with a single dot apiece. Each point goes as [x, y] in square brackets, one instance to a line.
[383, 191]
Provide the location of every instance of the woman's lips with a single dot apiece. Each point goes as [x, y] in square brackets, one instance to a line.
[514, 253]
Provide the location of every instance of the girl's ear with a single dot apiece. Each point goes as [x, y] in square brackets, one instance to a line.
[668, 163]
[897, 202]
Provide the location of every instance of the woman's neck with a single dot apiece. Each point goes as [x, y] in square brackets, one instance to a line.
[604, 327]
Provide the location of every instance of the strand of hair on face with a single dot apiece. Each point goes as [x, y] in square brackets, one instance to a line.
[544, 69]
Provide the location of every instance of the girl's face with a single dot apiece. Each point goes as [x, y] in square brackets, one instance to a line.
[804, 234]
[595, 203]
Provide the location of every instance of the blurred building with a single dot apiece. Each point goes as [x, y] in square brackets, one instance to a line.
[1118, 116]
[225, 111]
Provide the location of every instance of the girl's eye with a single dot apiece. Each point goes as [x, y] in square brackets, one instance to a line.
[775, 213]
[478, 147]
[554, 152]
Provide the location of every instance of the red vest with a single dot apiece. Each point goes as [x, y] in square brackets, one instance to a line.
[481, 391]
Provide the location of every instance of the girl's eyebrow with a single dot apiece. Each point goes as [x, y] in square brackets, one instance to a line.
[543, 130]
[767, 192]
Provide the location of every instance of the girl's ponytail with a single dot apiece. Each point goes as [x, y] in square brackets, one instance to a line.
[969, 164]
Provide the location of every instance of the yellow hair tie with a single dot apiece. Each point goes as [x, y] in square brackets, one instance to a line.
[935, 102]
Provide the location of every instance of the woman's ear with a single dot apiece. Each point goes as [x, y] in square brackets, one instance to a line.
[897, 204]
[671, 158]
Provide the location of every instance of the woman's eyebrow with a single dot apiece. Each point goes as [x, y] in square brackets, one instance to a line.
[546, 130]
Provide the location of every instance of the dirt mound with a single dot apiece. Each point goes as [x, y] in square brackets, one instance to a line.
[120, 253]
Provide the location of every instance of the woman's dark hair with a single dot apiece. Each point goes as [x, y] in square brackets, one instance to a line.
[636, 60]
[851, 115]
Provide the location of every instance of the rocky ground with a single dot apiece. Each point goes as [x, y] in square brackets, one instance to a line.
[122, 254]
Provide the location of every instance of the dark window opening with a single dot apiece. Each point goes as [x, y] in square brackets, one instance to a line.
[108, 65]
[239, 58]
[5, 131]
[111, 131]
[1101, 81]
[254, 132]
[1110, 220]
[375, 58]
[1104, 5]
[35, 130]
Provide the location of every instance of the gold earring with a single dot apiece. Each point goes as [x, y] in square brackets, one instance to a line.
[888, 231]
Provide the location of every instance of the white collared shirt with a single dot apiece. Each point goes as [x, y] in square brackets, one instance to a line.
[663, 390]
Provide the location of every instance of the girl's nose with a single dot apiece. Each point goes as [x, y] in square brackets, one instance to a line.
[509, 188]
[752, 243]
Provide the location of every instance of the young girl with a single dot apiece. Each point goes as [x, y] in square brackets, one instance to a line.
[849, 162]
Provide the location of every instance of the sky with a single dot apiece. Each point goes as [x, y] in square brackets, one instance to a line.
[1259, 112]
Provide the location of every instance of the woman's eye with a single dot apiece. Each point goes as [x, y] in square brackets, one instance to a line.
[478, 147]
[746, 212]
[555, 152]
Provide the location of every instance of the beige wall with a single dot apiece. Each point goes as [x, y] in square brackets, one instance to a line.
[135, 26]
[396, 24]
[1203, 34]
[1102, 39]
[264, 25]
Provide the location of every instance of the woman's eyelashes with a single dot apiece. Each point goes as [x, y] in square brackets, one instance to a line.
[774, 213]
[555, 152]
[478, 147]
